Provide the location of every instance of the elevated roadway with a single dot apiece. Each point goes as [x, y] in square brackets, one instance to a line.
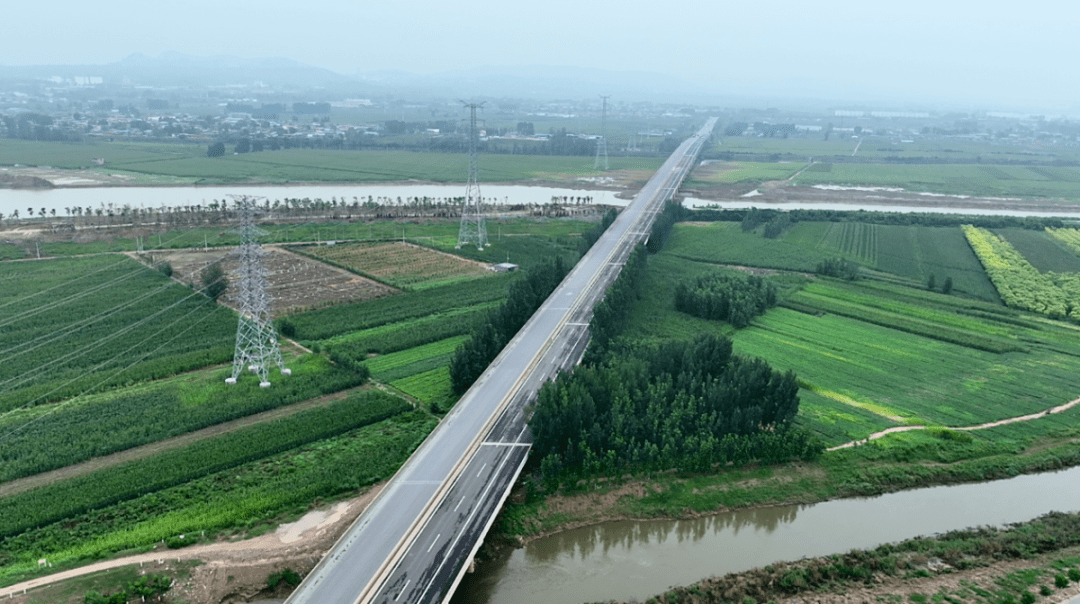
[416, 540]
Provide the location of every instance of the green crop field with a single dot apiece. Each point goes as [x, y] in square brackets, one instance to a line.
[52, 436]
[297, 165]
[1044, 252]
[912, 252]
[397, 365]
[432, 386]
[230, 500]
[1019, 284]
[871, 354]
[726, 243]
[326, 323]
[81, 155]
[53, 502]
[958, 179]
[10, 251]
[72, 325]
[907, 376]
[190, 162]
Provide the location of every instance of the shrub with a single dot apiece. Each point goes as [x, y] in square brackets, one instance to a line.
[1074, 574]
[1061, 581]
[288, 575]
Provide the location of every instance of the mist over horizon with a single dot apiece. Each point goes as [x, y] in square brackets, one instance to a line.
[989, 56]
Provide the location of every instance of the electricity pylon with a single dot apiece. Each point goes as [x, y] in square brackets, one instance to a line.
[601, 145]
[473, 229]
[256, 343]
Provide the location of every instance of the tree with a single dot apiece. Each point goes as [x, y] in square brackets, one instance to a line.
[215, 150]
[214, 281]
[243, 146]
[931, 283]
[946, 287]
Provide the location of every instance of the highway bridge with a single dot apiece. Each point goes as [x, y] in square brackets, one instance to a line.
[417, 539]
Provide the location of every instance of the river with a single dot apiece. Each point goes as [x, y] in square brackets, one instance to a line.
[154, 197]
[638, 559]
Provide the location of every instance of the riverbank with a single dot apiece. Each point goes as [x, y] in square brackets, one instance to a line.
[1030, 562]
[859, 471]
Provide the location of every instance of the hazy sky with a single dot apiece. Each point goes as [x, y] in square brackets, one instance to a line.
[990, 50]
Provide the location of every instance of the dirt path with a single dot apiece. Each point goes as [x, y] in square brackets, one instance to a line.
[1003, 422]
[92, 465]
[297, 545]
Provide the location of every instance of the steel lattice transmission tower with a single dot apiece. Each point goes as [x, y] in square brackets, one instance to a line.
[473, 229]
[601, 145]
[256, 343]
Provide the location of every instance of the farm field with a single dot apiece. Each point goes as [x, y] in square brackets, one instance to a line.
[261, 471]
[334, 321]
[1019, 284]
[723, 172]
[726, 243]
[912, 252]
[189, 162]
[1045, 252]
[229, 502]
[843, 145]
[955, 179]
[401, 264]
[1070, 238]
[296, 283]
[870, 355]
[420, 359]
[46, 437]
[73, 325]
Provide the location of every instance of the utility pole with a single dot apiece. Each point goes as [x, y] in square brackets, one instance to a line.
[473, 229]
[601, 145]
[256, 343]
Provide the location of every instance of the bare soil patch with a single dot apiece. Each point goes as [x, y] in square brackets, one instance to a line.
[296, 282]
[400, 263]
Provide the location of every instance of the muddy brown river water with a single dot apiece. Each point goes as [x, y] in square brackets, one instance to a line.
[637, 559]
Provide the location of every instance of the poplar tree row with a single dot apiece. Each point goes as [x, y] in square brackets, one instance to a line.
[724, 296]
[526, 295]
[685, 405]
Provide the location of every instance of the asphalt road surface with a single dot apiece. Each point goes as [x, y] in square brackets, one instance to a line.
[415, 541]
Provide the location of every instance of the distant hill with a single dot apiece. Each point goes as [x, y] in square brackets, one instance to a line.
[543, 82]
[177, 69]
